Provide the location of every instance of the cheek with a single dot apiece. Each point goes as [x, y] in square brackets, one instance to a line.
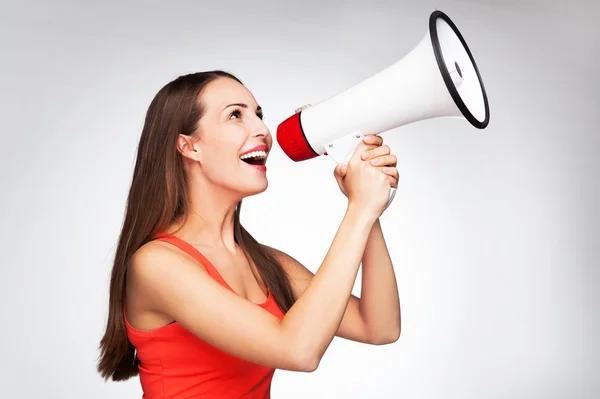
[221, 159]
[224, 145]
[222, 164]
[230, 139]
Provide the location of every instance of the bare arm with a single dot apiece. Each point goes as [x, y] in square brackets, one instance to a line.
[374, 318]
[189, 295]
[379, 301]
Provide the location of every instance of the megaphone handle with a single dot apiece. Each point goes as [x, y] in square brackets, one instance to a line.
[341, 150]
[392, 195]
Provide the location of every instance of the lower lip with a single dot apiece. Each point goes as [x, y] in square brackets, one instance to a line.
[262, 168]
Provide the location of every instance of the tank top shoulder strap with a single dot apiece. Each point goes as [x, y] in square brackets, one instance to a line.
[194, 253]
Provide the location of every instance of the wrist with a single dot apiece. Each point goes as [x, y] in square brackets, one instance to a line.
[360, 216]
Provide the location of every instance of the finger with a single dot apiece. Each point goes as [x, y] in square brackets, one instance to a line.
[391, 176]
[369, 142]
[385, 160]
[339, 174]
[373, 139]
[360, 148]
[375, 152]
[340, 170]
[391, 171]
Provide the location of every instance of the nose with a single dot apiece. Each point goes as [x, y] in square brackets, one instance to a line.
[260, 129]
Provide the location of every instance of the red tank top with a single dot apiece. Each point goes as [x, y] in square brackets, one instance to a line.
[175, 364]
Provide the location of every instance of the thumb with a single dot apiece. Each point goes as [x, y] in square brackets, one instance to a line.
[340, 170]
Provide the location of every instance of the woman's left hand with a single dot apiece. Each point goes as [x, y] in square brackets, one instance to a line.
[378, 155]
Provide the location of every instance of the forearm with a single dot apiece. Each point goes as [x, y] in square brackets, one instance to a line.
[313, 320]
[379, 299]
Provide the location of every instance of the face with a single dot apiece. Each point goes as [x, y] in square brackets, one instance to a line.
[232, 141]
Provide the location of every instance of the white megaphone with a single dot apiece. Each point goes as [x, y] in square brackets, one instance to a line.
[438, 78]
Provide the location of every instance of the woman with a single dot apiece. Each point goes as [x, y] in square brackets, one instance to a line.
[197, 306]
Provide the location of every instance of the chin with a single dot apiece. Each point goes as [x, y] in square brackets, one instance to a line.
[257, 187]
[252, 182]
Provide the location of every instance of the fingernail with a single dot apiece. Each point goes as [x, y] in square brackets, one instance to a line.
[365, 155]
[375, 161]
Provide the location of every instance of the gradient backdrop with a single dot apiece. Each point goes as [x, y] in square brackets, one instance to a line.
[494, 234]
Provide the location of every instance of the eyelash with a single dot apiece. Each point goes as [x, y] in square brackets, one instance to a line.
[238, 113]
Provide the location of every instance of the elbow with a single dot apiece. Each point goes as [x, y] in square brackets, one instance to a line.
[310, 365]
[386, 337]
[392, 337]
[301, 353]
[306, 361]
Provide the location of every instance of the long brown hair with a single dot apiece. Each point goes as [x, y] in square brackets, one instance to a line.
[157, 197]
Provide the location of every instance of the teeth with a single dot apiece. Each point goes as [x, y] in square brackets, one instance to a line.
[254, 154]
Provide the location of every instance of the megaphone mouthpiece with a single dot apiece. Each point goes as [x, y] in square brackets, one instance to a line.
[292, 140]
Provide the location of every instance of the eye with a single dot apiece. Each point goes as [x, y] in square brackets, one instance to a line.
[236, 113]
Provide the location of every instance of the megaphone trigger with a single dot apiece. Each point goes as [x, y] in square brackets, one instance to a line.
[341, 149]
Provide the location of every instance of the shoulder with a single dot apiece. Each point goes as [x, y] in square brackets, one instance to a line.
[155, 254]
[159, 275]
[153, 249]
[157, 262]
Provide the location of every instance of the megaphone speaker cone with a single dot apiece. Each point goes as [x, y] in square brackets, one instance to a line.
[459, 70]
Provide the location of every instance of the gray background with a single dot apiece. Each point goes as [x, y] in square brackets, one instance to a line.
[494, 233]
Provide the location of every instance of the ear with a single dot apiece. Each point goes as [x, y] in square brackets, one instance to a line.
[188, 148]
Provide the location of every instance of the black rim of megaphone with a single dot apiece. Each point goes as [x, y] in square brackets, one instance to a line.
[437, 49]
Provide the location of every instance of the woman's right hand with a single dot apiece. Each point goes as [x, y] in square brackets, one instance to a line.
[367, 187]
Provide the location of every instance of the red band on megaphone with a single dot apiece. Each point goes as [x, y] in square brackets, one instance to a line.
[292, 141]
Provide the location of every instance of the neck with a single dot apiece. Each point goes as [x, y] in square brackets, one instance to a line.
[210, 217]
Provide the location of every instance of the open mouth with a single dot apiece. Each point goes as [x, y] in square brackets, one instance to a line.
[255, 158]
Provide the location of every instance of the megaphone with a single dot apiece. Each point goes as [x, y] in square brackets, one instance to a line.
[437, 78]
